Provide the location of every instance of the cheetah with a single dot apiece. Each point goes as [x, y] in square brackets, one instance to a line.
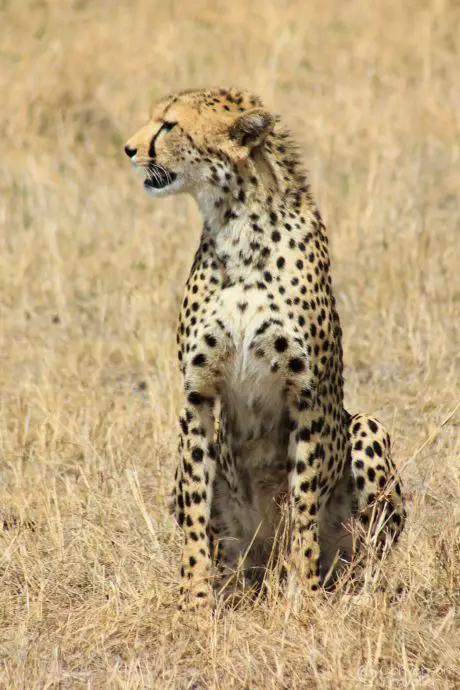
[260, 352]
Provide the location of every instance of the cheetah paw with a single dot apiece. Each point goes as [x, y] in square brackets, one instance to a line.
[195, 599]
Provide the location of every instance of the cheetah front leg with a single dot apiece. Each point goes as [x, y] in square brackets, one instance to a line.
[306, 457]
[195, 479]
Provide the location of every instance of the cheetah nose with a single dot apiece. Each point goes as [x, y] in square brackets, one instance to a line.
[129, 151]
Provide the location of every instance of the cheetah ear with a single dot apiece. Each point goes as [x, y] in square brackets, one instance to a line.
[252, 127]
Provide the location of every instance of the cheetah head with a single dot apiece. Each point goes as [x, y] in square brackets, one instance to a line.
[195, 139]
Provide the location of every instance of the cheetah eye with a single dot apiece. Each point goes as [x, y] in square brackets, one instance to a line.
[167, 126]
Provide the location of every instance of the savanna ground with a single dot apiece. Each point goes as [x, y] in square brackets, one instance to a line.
[91, 275]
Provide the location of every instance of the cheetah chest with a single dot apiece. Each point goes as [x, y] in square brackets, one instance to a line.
[251, 388]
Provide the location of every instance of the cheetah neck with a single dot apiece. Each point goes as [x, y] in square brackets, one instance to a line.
[258, 208]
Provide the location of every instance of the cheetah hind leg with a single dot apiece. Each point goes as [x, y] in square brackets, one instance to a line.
[380, 503]
[368, 497]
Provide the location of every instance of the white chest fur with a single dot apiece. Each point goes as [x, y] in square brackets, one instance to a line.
[251, 391]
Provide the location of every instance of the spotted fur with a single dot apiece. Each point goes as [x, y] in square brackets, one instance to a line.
[259, 345]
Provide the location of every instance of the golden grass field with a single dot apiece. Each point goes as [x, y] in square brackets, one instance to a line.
[91, 275]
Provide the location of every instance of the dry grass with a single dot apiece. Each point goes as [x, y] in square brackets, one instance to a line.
[91, 273]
